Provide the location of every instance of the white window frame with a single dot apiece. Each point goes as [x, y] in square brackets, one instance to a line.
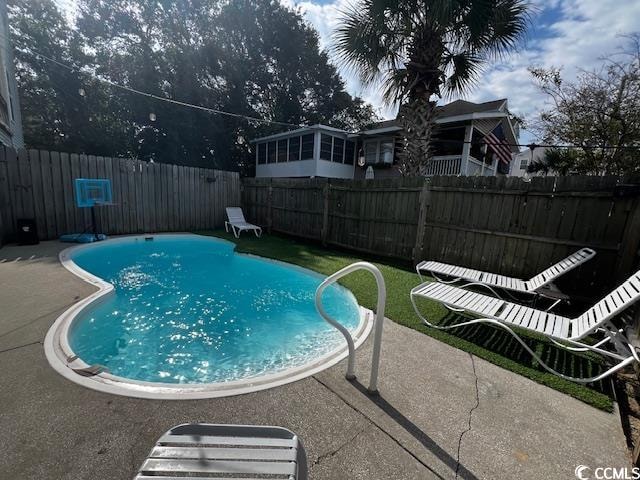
[330, 159]
[524, 163]
[333, 146]
[379, 142]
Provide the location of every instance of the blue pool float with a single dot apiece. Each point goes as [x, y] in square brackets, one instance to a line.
[83, 237]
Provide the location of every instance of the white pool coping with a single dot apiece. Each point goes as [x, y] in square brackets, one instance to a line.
[58, 350]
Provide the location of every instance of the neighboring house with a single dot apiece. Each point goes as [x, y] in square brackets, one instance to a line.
[10, 118]
[522, 160]
[462, 128]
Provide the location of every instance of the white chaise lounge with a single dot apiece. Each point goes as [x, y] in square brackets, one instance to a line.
[538, 285]
[235, 220]
[567, 333]
[201, 450]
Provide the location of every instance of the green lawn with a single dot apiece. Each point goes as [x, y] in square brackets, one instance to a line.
[493, 344]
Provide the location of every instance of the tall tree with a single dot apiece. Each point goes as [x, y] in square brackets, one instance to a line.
[253, 58]
[420, 50]
[598, 114]
[60, 109]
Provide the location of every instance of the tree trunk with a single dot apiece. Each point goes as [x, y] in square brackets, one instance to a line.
[416, 117]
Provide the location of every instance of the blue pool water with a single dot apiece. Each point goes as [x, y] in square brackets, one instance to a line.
[187, 309]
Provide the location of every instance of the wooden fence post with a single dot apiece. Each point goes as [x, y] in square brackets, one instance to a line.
[424, 202]
[325, 211]
[269, 206]
[630, 243]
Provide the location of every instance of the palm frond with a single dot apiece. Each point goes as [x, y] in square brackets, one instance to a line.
[464, 69]
[370, 40]
[507, 26]
[415, 47]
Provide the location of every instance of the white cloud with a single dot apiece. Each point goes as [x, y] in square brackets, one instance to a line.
[576, 38]
[324, 18]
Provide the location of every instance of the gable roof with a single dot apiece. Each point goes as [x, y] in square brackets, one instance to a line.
[453, 109]
[462, 107]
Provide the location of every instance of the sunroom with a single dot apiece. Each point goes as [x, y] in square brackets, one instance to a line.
[315, 151]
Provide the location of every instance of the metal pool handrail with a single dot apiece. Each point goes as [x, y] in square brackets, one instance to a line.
[377, 327]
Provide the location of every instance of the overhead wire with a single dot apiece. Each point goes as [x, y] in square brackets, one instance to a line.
[249, 118]
[157, 97]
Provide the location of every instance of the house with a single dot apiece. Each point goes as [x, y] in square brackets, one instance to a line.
[522, 160]
[462, 129]
[463, 132]
[10, 118]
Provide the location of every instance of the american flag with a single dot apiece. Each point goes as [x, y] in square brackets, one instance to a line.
[498, 146]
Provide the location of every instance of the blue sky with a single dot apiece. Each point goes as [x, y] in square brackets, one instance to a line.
[570, 34]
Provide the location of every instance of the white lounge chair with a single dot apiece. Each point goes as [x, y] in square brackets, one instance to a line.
[538, 285]
[238, 223]
[567, 333]
[201, 450]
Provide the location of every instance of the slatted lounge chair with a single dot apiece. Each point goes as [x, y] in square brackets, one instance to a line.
[200, 450]
[538, 285]
[238, 224]
[568, 333]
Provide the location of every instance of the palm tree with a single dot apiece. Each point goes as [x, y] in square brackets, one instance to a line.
[421, 50]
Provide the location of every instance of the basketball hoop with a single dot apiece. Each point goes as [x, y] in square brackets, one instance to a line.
[91, 193]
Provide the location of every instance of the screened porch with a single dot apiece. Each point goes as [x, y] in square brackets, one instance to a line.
[316, 151]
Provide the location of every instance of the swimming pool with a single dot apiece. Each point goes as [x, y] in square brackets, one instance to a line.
[184, 313]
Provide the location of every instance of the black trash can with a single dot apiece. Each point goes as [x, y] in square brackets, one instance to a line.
[27, 231]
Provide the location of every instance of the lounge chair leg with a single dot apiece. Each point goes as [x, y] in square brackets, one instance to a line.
[453, 309]
[623, 363]
[579, 349]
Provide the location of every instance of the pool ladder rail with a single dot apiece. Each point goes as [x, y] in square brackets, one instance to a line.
[377, 326]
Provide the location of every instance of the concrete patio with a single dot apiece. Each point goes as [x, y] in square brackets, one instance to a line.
[441, 414]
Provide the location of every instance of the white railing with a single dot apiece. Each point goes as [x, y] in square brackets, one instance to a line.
[444, 165]
[476, 167]
[377, 326]
[455, 165]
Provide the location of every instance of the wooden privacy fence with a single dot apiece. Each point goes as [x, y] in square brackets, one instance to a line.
[500, 224]
[148, 197]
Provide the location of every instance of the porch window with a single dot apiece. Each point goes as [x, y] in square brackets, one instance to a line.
[326, 143]
[294, 149]
[282, 150]
[379, 152]
[271, 152]
[386, 152]
[349, 151]
[448, 141]
[262, 153]
[307, 147]
[338, 149]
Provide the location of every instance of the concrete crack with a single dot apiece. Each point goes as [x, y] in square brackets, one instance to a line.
[40, 317]
[468, 429]
[333, 452]
[374, 424]
[20, 346]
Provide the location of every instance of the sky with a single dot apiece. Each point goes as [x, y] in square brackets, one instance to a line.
[573, 35]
